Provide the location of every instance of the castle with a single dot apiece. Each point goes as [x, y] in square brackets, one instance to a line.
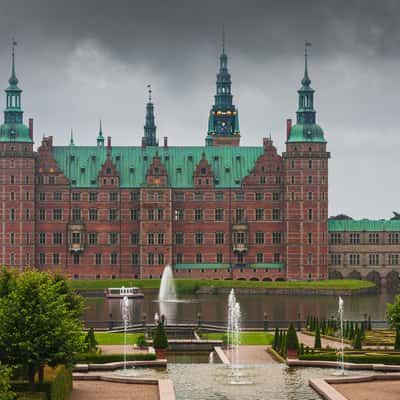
[219, 211]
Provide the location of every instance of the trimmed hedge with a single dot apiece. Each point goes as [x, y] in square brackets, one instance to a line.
[109, 358]
[369, 358]
[57, 385]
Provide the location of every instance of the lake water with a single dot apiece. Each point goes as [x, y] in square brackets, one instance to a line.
[213, 308]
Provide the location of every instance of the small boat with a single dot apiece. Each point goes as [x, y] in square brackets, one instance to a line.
[119, 293]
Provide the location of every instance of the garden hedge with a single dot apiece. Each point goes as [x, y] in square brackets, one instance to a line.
[369, 358]
[109, 358]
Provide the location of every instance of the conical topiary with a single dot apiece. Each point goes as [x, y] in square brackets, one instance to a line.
[317, 343]
[292, 342]
[276, 338]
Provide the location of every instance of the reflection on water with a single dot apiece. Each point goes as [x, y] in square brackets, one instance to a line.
[213, 307]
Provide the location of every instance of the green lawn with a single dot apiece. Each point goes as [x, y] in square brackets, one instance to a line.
[116, 338]
[192, 285]
[250, 338]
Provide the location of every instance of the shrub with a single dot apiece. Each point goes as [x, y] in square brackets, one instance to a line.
[276, 339]
[292, 342]
[141, 341]
[91, 358]
[160, 340]
[301, 348]
[5, 387]
[224, 339]
[90, 341]
[357, 344]
[317, 342]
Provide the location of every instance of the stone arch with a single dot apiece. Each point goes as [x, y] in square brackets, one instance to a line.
[392, 281]
[355, 275]
[374, 277]
[280, 280]
[335, 275]
[241, 279]
[267, 279]
[227, 279]
[254, 279]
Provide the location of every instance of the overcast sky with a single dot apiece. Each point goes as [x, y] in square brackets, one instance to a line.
[79, 61]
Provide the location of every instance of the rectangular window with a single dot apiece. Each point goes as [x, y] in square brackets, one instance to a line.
[259, 214]
[134, 214]
[240, 215]
[42, 196]
[134, 238]
[150, 196]
[52, 180]
[135, 196]
[219, 214]
[57, 214]
[42, 238]
[354, 238]
[150, 214]
[98, 258]
[93, 196]
[310, 214]
[113, 238]
[160, 196]
[76, 258]
[179, 258]
[276, 196]
[198, 196]
[56, 258]
[374, 259]
[259, 237]
[150, 238]
[259, 196]
[335, 238]
[93, 214]
[309, 196]
[336, 259]
[354, 259]
[309, 259]
[76, 196]
[219, 238]
[309, 238]
[113, 258]
[12, 214]
[219, 196]
[276, 237]
[93, 238]
[278, 180]
[199, 237]
[160, 214]
[12, 179]
[76, 237]
[113, 196]
[276, 214]
[240, 237]
[57, 237]
[198, 214]
[259, 257]
[239, 196]
[277, 258]
[373, 238]
[42, 214]
[160, 238]
[394, 238]
[57, 196]
[393, 259]
[178, 238]
[179, 196]
[199, 258]
[179, 214]
[263, 180]
[135, 258]
[42, 258]
[309, 180]
[113, 213]
[76, 214]
[150, 258]
[220, 258]
[160, 259]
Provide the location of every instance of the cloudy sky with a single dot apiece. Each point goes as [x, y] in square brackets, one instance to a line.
[79, 61]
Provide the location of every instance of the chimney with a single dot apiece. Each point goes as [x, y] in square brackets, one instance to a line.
[165, 141]
[109, 142]
[31, 128]
[288, 128]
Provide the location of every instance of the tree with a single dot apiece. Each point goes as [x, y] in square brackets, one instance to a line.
[317, 343]
[393, 313]
[90, 341]
[397, 339]
[369, 323]
[276, 338]
[5, 387]
[357, 343]
[292, 342]
[160, 340]
[39, 322]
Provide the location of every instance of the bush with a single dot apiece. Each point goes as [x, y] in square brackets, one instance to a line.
[90, 341]
[317, 342]
[160, 340]
[389, 359]
[224, 339]
[5, 387]
[292, 342]
[357, 344]
[91, 358]
[141, 341]
[397, 339]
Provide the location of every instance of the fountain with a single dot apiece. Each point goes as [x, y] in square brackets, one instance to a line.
[167, 287]
[340, 360]
[126, 318]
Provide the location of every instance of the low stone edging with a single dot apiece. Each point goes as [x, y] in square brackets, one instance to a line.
[295, 362]
[116, 365]
[327, 337]
[323, 385]
[221, 355]
[165, 386]
[275, 355]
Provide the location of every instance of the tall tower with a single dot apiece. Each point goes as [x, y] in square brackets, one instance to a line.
[149, 126]
[17, 177]
[223, 122]
[306, 189]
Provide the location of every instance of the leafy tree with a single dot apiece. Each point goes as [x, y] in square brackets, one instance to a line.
[393, 312]
[397, 339]
[317, 342]
[5, 387]
[160, 340]
[39, 323]
[292, 342]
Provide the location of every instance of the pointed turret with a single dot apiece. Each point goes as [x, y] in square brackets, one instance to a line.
[149, 126]
[71, 139]
[306, 129]
[100, 137]
[13, 128]
[223, 122]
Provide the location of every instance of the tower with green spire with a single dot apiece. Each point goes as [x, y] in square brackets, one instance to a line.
[13, 129]
[149, 126]
[223, 121]
[100, 137]
[306, 129]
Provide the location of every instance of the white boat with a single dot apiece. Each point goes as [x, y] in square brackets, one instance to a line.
[119, 293]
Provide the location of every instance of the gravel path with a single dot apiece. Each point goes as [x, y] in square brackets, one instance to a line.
[308, 340]
[252, 355]
[97, 390]
[119, 349]
[376, 390]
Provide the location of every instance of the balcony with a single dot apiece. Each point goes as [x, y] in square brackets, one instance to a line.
[240, 247]
[76, 237]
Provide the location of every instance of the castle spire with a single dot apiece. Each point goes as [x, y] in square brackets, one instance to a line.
[149, 126]
[100, 137]
[13, 81]
[71, 139]
[306, 80]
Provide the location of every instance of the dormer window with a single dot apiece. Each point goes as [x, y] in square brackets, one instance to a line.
[108, 171]
[203, 171]
[157, 171]
[131, 170]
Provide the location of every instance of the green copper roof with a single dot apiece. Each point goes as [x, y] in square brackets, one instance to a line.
[229, 164]
[14, 133]
[335, 225]
[306, 133]
[267, 266]
[201, 266]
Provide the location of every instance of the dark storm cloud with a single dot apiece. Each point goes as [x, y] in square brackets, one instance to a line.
[81, 60]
